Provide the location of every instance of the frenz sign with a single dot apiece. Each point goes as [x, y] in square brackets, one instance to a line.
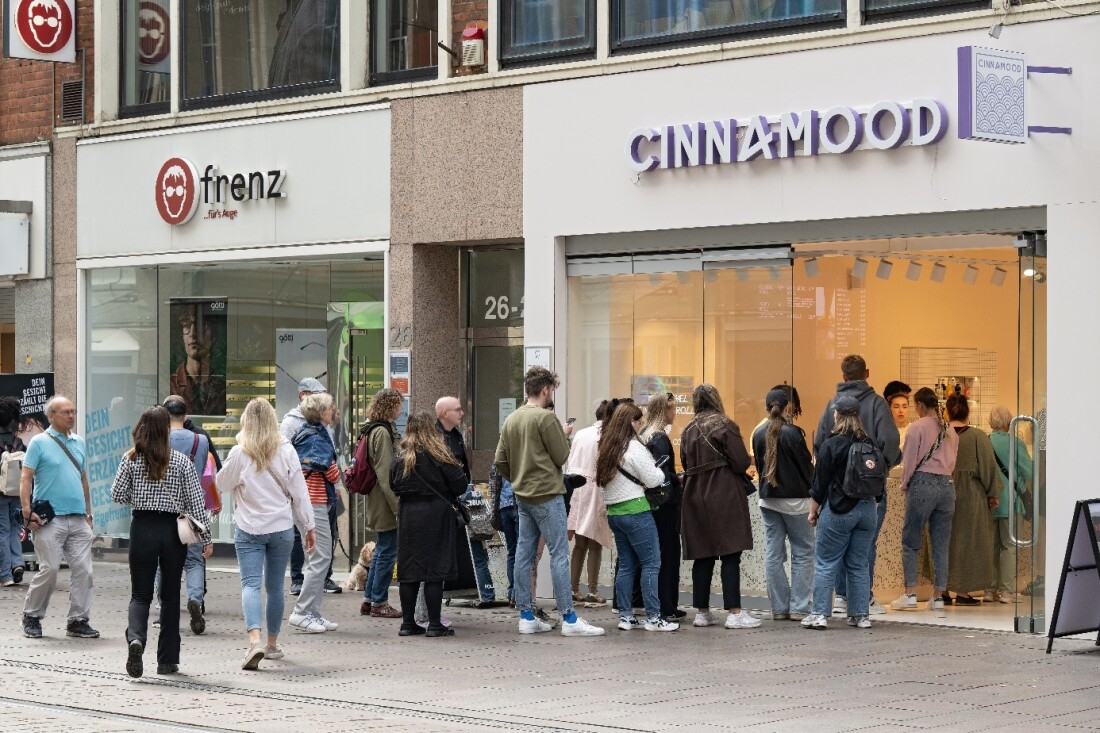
[179, 188]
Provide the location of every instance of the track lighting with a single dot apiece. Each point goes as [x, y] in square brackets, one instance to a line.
[999, 275]
[939, 272]
[970, 275]
[811, 267]
[859, 268]
[885, 267]
[913, 271]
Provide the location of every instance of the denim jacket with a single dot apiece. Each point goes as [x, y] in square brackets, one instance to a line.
[316, 452]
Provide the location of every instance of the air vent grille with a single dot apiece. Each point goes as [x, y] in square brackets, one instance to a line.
[72, 101]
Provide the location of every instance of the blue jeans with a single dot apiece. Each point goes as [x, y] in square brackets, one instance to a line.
[843, 541]
[509, 525]
[194, 573]
[546, 520]
[263, 556]
[930, 500]
[637, 544]
[794, 595]
[841, 581]
[377, 587]
[485, 589]
[11, 549]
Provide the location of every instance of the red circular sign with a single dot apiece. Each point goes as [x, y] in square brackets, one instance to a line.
[45, 26]
[176, 191]
[152, 33]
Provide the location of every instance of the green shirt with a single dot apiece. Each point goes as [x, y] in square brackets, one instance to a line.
[531, 452]
[630, 506]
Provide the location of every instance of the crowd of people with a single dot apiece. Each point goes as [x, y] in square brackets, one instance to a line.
[612, 484]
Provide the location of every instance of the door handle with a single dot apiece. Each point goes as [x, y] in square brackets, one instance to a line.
[1012, 479]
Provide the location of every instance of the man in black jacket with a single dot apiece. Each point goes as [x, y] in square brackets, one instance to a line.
[449, 412]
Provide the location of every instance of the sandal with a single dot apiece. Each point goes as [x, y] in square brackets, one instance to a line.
[595, 598]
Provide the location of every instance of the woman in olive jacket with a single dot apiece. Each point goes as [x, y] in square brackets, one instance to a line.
[714, 512]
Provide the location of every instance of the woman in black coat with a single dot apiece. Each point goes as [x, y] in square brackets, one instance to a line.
[427, 481]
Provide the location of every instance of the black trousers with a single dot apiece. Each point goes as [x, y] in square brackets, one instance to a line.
[668, 535]
[154, 540]
[703, 571]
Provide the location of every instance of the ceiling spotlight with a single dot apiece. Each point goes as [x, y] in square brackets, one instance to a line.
[970, 276]
[859, 268]
[655, 280]
[1029, 272]
[742, 274]
[710, 276]
[999, 275]
[683, 278]
[913, 271]
[939, 272]
[812, 267]
[884, 269]
[773, 273]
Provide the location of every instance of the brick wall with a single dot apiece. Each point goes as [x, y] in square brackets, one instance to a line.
[467, 11]
[30, 91]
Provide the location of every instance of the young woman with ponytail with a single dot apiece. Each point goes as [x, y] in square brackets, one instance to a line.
[786, 471]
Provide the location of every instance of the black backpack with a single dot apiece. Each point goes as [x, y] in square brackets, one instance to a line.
[865, 474]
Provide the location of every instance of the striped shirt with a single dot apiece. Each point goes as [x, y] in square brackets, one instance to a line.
[315, 483]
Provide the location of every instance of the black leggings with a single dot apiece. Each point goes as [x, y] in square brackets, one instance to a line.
[154, 540]
[703, 571]
[433, 598]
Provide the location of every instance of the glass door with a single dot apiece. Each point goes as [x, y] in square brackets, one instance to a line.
[1028, 527]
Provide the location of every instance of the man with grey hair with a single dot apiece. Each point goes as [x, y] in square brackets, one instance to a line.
[54, 476]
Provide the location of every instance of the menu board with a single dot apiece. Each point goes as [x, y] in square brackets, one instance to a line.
[1077, 606]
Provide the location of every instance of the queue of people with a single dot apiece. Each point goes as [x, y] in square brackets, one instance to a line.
[283, 480]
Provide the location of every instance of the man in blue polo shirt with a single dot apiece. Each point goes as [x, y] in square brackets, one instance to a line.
[53, 471]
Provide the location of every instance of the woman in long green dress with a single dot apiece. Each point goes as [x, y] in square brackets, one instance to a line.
[977, 490]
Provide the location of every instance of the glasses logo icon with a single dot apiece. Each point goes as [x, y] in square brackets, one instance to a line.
[152, 33]
[45, 26]
[176, 191]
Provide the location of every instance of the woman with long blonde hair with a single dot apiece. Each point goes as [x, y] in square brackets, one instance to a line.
[264, 477]
[660, 412]
[427, 480]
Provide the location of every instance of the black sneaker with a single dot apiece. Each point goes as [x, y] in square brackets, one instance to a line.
[134, 666]
[965, 600]
[546, 618]
[198, 623]
[295, 589]
[331, 587]
[81, 630]
[167, 668]
[32, 627]
[17, 574]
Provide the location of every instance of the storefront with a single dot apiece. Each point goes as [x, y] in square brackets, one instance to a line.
[894, 199]
[227, 262]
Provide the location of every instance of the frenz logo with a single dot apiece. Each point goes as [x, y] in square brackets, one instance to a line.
[45, 26]
[176, 190]
[152, 33]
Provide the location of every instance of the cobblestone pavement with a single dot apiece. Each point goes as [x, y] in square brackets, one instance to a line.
[778, 677]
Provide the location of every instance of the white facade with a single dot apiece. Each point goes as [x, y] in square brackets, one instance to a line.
[582, 195]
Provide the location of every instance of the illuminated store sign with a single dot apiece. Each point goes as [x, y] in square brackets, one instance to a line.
[179, 189]
[883, 126]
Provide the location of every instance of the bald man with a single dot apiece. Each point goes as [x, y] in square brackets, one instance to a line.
[449, 412]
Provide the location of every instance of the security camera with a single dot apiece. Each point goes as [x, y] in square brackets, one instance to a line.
[995, 30]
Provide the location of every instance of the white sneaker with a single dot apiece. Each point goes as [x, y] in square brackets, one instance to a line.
[741, 620]
[703, 619]
[659, 624]
[629, 624]
[935, 604]
[815, 621]
[1005, 596]
[860, 622]
[329, 625]
[580, 627]
[905, 602]
[533, 626]
[876, 609]
[307, 623]
[840, 606]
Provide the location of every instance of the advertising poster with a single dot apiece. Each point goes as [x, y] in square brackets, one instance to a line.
[355, 362]
[644, 385]
[198, 353]
[299, 353]
[32, 391]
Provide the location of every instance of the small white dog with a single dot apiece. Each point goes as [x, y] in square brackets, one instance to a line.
[357, 578]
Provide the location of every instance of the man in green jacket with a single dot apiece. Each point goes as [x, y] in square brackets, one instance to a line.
[532, 449]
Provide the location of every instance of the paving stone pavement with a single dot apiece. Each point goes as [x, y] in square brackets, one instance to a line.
[779, 677]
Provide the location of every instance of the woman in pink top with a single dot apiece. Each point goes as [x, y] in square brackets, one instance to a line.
[928, 457]
[587, 520]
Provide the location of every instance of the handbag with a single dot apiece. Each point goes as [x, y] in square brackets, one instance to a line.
[462, 514]
[655, 495]
[481, 522]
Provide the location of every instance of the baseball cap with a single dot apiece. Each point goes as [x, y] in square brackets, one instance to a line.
[846, 405]
[311, 385]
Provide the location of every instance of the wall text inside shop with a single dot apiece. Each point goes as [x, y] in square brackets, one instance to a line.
[883, 126]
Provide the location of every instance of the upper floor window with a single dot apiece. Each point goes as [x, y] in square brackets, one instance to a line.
[242, 50]
[652, 22]
[538, 29]
[403, 39]
[887, 9]
[145, 64]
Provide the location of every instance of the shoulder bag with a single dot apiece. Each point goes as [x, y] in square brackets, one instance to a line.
[187, 527]
[935, 446]
[746, 482]
[655, 495]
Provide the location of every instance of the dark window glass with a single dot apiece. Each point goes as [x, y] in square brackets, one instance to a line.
[653, 22]
[145, 58]
[235, 50]
[403, 39]
[536, 29]
[886, 9]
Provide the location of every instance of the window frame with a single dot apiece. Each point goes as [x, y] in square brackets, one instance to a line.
[918, 8]
[146, 109]
[537, 57]
[819, 21]
[287, 91]
[383, 78]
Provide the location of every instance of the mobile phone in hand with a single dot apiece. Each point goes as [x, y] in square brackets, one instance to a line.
[570, 421]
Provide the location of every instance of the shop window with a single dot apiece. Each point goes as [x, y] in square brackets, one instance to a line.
[245, 50]
[890, 9]
[404, 34]
[145, 60]
[640, 23]
[541, 29]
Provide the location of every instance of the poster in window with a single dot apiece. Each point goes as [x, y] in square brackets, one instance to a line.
[32, 391]
[198, 353]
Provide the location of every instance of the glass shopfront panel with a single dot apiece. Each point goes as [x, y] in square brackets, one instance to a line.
[220, 335]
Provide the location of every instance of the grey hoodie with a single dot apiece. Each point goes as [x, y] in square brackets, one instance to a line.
[875, 415]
